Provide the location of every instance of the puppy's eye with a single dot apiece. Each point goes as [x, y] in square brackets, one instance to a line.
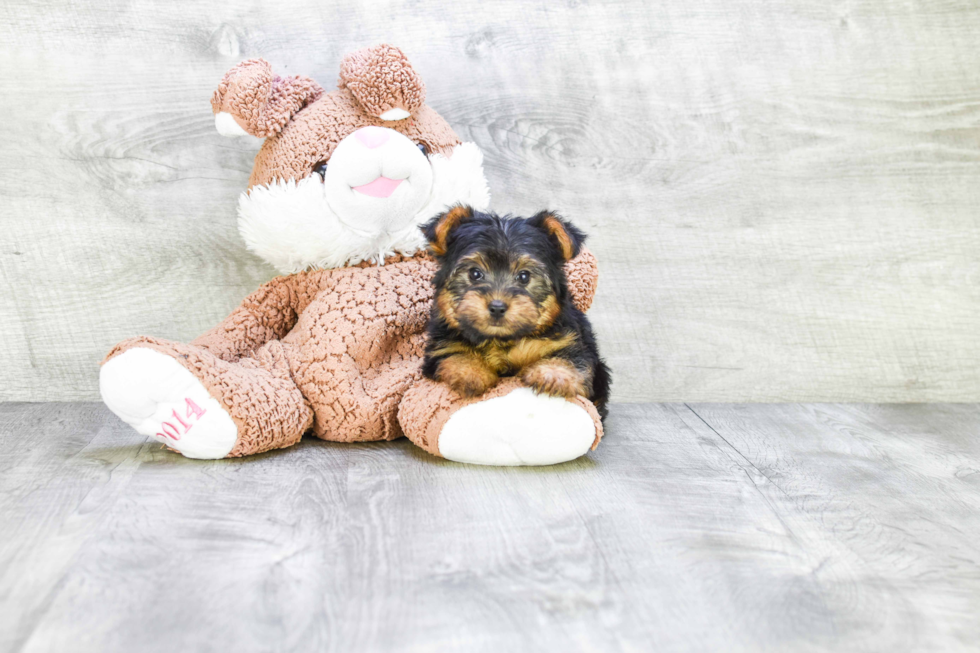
[523, 277]
[423, 148]
[321, 169]
[476, 274]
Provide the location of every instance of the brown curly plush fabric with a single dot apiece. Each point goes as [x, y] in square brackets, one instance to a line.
[381, 78]
[261, 102]
[258, 393]
[333, 350]
[313, 134]
[303, 125]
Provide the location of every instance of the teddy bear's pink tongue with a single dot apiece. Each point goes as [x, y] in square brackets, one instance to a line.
[380, 187]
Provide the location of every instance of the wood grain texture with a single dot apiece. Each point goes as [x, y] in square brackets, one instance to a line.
[783, 196]
[691, 528]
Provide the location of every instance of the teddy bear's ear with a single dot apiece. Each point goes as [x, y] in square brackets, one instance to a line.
[438, 229]
[252, 100]
[383, 81]
[564, 235]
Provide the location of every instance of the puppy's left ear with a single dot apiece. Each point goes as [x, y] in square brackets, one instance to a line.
[566, 236]
[438, 229]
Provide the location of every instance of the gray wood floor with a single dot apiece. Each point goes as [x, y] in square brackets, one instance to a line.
[701, 527]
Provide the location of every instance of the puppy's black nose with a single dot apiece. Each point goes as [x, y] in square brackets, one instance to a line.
[497, 308]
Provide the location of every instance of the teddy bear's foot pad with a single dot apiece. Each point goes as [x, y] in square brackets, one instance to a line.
[160, 398]
[519, 428]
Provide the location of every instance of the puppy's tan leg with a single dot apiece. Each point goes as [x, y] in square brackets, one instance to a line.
[556, 377]
[467, 374]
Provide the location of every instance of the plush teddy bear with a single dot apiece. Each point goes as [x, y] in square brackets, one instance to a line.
[334, 346]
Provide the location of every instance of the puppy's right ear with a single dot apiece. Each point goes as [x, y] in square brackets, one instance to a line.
[438, 229]
[252, 100]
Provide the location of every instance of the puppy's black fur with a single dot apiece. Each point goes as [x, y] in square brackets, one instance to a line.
[502, 307]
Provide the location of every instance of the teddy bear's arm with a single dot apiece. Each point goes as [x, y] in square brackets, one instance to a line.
[266, 314]
[583, 277]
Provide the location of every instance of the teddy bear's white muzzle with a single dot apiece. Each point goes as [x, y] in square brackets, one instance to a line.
[377, 180]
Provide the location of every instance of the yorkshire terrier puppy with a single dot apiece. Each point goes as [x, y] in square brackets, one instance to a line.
[502, 307]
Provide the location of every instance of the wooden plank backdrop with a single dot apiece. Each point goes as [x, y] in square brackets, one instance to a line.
[784, 196]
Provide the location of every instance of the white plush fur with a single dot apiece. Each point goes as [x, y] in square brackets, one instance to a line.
[226, 125]
[520, 428]
[292, 225]
[144, 387]
[394, 114]
[391, 155]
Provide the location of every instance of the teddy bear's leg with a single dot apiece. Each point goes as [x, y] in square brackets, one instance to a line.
[509, 425]
[192, 401]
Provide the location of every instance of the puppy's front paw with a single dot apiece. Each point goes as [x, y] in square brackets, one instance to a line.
[555, 377]
[466, 375]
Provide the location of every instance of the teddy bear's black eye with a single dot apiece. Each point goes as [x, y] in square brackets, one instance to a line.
[523, 277]
[423, 148]
[476, 274]
[321, 169]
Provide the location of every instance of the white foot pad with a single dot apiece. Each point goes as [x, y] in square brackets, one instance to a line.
[160, 398]
[520, 428]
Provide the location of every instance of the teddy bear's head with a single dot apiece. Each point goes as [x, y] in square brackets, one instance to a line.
[349, 175]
